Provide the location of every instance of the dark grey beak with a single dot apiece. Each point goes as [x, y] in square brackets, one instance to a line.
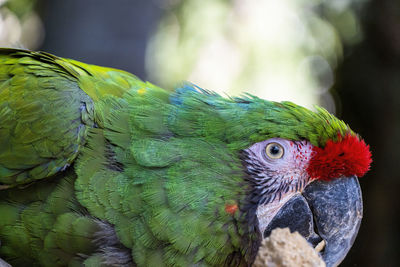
[330, 211]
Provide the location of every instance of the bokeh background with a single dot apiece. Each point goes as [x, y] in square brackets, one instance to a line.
[342, 54]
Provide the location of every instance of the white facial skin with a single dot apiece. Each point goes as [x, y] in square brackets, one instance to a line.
[279, 169]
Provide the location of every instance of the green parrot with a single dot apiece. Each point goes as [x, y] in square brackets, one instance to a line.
[98, 168]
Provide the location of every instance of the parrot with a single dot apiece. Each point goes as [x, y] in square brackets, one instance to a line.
[99, 168]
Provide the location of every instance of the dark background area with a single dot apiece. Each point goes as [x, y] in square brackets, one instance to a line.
[106, 33]
[367, 90]
[368, 85]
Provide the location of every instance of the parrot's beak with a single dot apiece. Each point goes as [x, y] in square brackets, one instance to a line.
[329, 211]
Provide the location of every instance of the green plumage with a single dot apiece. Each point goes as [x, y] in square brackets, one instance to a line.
[82, 146]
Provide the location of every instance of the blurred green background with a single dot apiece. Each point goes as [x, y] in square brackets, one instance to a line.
[343, 55]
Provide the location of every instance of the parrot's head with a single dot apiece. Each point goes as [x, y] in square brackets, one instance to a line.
[305, 177]
[230, 170]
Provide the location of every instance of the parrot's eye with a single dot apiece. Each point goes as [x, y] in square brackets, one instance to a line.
[274, 151]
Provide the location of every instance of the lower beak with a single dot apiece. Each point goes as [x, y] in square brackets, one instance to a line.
[326, 210]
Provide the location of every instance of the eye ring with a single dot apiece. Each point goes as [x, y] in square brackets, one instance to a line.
[274, 151]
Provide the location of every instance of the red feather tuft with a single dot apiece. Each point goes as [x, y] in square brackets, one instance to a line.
[347, 157]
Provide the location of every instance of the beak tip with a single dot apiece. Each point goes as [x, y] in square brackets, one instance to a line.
[337, 208]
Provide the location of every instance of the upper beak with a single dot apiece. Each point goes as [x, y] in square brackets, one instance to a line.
[330, 211]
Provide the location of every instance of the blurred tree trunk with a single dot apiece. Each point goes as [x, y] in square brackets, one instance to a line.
[369, 90]
[102, 32]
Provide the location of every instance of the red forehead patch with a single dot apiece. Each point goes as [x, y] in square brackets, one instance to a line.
[346, 157]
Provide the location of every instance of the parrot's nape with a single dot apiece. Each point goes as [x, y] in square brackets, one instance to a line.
[98, 168]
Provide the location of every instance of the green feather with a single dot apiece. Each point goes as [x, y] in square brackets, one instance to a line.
[158, 166]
